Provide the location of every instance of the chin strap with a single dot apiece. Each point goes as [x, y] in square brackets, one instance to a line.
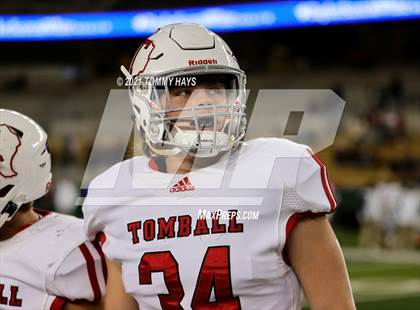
[126, 72]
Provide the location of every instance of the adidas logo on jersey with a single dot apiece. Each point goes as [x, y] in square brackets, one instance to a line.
[182, 186]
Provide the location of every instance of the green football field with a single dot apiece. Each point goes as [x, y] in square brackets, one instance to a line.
[384, 279]
[385, 285]
[381, 279]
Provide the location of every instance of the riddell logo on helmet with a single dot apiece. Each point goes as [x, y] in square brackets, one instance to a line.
[198, 62]
[182, 186]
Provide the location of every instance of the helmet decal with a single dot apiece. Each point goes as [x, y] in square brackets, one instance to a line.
[147, 45]
[6, 158]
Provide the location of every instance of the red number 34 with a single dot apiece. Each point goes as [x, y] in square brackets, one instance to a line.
[214, 272]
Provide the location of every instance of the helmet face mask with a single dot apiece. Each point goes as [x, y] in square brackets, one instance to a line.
[25, 163]
[195, 109]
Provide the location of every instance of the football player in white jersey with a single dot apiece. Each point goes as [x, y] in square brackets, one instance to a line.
[46, 262]
[164, 251]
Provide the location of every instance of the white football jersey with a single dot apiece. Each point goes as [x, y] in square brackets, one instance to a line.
[49, 262]
[212, 238]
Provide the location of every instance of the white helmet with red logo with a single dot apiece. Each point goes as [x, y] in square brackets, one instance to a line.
[25, 162]
[174, 53]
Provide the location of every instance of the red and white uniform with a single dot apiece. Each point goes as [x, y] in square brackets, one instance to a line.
[49, 262]
[172, 259]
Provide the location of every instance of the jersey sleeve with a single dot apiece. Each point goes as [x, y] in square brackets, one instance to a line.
[81, 275]
[310, 195]
[313, 189]
[95, 205]
[55, 303]
[92, 223]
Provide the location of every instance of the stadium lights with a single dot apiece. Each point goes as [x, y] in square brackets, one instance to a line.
[233, 17]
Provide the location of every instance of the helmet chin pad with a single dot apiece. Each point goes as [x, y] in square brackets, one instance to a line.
[189, 139]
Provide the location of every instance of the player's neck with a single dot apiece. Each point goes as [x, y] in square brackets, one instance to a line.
[22, 218]
[179, 164]
[182, 164]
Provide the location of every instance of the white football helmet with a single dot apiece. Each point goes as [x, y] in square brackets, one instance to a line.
[25, 163]
[180, 51]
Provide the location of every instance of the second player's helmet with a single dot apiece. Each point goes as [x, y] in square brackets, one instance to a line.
[168, 58]
[25, 163]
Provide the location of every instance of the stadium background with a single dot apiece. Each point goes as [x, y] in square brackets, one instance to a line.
[374, 67]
